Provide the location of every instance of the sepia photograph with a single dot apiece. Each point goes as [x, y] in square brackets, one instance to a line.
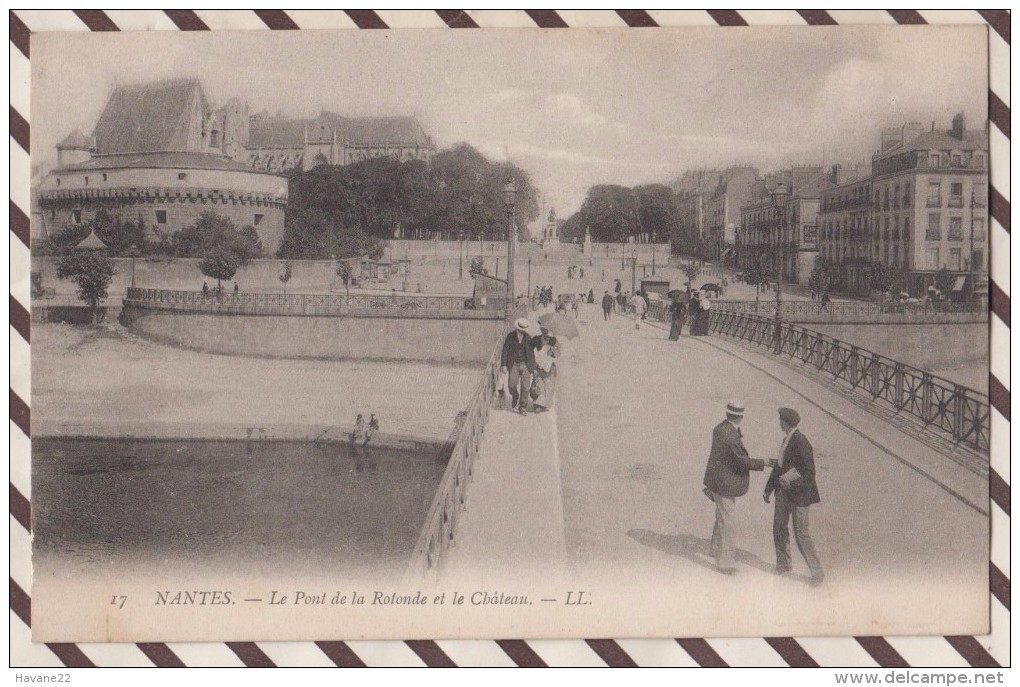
[528, 333]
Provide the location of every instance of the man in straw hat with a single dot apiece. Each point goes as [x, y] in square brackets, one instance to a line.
[793, 482]
[518, 364]
[727, 476]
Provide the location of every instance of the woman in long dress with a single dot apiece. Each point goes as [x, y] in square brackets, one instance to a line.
[547, 349]
[678, 312]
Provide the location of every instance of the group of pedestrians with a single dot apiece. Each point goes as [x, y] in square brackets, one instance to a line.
[528, 367]
[792, 483]
[693, 306]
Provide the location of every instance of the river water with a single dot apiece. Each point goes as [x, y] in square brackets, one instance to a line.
[100, 501]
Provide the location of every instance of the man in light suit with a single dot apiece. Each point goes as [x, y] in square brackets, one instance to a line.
[727, 476]
[793, 482]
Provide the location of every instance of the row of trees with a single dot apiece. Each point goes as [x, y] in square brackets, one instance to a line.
[617, 213]
[347, 211]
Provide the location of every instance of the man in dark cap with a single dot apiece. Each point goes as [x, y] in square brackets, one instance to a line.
[793, 482]
[728, 476]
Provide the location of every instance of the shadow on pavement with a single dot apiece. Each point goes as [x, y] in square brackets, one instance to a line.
[695, 549]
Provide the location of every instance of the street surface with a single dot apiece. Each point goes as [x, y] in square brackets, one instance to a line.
[902, 532]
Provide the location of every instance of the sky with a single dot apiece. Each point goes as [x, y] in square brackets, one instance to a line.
[573, 107]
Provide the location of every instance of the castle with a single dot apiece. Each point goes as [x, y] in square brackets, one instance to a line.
[161, 152]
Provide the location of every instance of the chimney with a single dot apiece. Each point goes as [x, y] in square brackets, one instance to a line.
[959, 126]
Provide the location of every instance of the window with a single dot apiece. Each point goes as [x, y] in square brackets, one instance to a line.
[955, 259]
[885, 198]
[885, 234]
[980, 192]
[933, 258]
[896, 197]
[934, 194]
[58, 181]
[76, 216]
[104, 177]
[53, 214]
[957, 160]
[955, 228]
[160, 216]
[934, 232]
[906, 228]
[956, 194]
[896, 229]
[906, 196]
[978, 259]
[979, 160]
[979, 228]
[896, 256]
[934, 159]
[86, 181]
[181, 176]
[258, 218]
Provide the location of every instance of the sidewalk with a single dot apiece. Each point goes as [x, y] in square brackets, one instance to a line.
[514, 507]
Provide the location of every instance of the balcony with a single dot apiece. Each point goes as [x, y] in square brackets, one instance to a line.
[934, 202]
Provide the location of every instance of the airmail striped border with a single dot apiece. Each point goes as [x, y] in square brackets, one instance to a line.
[979, 651]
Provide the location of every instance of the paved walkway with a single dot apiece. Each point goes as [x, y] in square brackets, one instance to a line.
[902, 531]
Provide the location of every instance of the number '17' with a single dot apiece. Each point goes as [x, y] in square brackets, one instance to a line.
[118, 601]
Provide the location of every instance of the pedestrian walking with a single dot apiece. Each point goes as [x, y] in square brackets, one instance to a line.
[205, 290]
[727, 477]
[607, 305]
[543, 387]
[678, 315]
[517, 361]
[793, 482]
[638, 306]
[236, 289]
[591, 296]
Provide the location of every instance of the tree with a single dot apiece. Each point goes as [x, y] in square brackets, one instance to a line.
[880, 277]
[344, 271]
[212, 230]
[92, 271]
[478, 265]
[286, 275]
[818, 280]
[220, 263]
[123, 237]
[691, 270]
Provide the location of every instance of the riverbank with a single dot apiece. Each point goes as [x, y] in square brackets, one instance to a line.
[105, 382]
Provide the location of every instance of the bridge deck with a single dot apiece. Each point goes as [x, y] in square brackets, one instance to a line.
[899, 524]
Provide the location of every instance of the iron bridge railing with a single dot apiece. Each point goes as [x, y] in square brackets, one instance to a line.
[939, 404]
[439, 529]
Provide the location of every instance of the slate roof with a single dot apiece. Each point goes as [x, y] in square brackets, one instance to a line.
[149, 117]
[942, 140]
[76, 140]
[162, 161]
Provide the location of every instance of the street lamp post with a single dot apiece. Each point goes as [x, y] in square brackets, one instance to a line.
[529, 283]
[779, 195]
[460, 256]
[970, 262]
[510, 198]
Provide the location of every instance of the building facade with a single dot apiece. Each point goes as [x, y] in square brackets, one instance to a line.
[709, 202]
[928, 211]
[278, 144]
[159, 152]
[845, 236]
[785, 235]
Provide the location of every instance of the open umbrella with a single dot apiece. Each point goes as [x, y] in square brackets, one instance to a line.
[559, 325]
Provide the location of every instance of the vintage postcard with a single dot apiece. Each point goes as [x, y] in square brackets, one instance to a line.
[525, 333]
